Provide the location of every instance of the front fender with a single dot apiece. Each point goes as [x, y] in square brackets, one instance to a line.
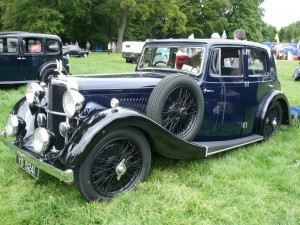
[268, 99]
[24, 110]
[99, 125]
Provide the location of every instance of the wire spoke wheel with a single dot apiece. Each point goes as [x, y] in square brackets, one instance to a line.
[116, 164]
[179, 111]
[116, 167]
[177, 104]
[272, 121]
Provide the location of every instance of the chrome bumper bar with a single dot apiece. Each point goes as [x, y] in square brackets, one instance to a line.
[64, 175]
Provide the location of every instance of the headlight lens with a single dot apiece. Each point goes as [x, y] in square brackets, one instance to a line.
[72, 102]
[34, 92]
[41, 140]
[12, 125]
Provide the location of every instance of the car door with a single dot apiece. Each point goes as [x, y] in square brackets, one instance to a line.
[224, 94]
[33, 57]
[10, 60]
[261, 78]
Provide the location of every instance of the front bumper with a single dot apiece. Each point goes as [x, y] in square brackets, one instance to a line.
[64, 175]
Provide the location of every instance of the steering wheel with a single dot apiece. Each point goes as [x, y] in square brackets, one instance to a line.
[155, 64]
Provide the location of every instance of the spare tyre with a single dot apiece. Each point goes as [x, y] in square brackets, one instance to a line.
[177, 104]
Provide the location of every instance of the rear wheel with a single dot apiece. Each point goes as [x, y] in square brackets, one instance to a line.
[118, 163]
[272, 120]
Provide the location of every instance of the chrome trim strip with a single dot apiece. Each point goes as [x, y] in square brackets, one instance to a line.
[236, 146]
[64, 175]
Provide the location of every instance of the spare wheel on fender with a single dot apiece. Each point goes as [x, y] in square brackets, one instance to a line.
[177, 104]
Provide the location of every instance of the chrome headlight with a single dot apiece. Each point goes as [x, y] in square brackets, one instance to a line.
[41, 140]
[14, 125]
[34, 92]
[72, 102]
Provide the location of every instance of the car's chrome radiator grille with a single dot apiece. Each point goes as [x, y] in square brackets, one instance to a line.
[55, 107]
[138, 104]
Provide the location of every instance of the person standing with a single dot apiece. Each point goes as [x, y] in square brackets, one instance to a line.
[239, 34]
[113, 47]
[108, 48]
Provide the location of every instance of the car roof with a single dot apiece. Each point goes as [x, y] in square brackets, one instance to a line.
[28, 34]
[208, 42]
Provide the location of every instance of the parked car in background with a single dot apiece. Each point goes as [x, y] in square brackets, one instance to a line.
[207, 96]
[27, 57]
[74, 50]
[131, 50]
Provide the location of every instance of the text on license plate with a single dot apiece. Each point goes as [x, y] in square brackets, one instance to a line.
[28, 167]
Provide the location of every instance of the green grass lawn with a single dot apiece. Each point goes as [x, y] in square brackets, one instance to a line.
[257, 184]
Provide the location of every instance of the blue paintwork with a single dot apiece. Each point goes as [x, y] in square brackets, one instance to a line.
[246, 99]
[22, 67]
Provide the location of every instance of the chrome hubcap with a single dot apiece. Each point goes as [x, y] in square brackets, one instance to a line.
[121, 169]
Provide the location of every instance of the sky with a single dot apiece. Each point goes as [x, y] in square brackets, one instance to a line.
[281, 13]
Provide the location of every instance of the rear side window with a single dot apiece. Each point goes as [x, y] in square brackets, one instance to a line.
[52, 46]
[9, 45]
[257, 62]
[226, 61]
[32, 45]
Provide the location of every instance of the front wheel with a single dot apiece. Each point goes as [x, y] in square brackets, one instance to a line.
[272, 120]
[118, 163]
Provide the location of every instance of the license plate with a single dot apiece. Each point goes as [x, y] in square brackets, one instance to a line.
[28, 167]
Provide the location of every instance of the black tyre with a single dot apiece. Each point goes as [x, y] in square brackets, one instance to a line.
[118, 163]
[177, 104]
[49, 73]
[272, 120]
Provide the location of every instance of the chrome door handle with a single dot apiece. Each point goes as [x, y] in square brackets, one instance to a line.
[270, 85]
[23, 58]
[19, 58]
[207, 90]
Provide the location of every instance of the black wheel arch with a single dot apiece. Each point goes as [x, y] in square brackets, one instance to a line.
[267, 101]
[47, 65]
[88, 135]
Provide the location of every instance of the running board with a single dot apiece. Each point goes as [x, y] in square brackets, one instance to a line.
[213, 147]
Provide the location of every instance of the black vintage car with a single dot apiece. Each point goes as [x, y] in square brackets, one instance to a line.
[187, 99]
[74, 50]
[27, 57]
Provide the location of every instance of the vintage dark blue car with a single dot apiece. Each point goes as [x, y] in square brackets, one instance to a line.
[75, 50]
[205, 97]
[27, 57]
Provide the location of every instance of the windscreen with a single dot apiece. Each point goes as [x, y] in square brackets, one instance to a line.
[185, 59]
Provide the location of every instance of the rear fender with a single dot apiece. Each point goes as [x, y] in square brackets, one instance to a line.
[268, 100]
[99, 125]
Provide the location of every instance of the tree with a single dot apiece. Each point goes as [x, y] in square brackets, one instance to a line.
[269, 32]
[205, 17]
[248, 16]
[32, 15]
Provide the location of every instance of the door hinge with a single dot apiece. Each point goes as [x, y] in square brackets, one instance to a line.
[244, 125]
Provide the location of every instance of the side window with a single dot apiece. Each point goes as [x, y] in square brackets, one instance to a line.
[12, 45]
[32, 45]
[52, 46]
[9, 45]
[226, 62]
[231, 62]
[257, 62]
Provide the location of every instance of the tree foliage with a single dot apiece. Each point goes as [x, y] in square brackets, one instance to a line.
[101, 21]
